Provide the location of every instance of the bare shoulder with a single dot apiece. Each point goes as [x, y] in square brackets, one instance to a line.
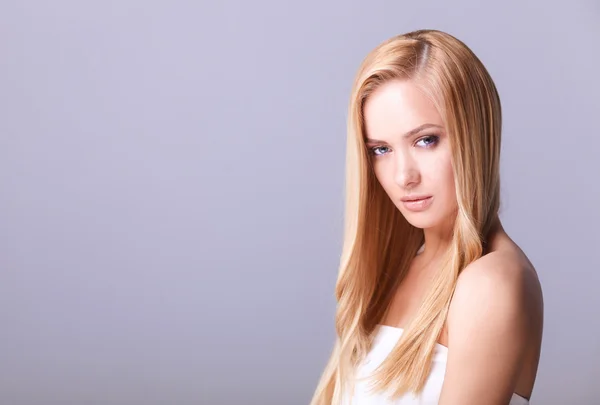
[495, 318]
[500, 292]
[504, 273]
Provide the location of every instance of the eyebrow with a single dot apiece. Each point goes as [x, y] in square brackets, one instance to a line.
[409, 133]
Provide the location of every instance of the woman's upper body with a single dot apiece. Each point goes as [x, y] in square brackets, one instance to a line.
[422, 168]
[494, 322]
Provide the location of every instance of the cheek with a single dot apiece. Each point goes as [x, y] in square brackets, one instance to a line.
[441, 175]
[446, 168]
[448, 176]
[385, 177]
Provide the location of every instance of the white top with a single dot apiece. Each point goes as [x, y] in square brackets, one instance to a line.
[385, 339]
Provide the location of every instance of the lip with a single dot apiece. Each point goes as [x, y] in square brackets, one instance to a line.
[414, 198]
[417, 203]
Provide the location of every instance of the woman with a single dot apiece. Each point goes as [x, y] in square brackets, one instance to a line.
[436, 304]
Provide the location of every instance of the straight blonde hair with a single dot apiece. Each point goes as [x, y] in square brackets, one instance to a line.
[379, 244]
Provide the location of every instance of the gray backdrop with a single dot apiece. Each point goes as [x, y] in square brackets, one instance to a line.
[172, 189]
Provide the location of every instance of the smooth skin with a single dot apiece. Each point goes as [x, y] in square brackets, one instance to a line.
[494, 327]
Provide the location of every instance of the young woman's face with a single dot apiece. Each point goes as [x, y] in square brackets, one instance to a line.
[410, 151]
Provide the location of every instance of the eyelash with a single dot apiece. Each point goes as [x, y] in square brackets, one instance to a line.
[435, 139]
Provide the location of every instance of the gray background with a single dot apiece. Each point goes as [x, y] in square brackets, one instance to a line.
[172, 189]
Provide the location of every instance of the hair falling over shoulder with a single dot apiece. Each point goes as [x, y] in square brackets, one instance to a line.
[378, 243]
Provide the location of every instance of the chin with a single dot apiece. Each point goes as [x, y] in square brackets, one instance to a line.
[426, 219]
[421, 223]
[423, 220]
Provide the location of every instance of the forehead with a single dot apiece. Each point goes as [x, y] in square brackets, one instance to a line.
[396, 107]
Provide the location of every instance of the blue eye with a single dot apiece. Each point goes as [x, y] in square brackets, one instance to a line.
[375, 150]
[429, 141]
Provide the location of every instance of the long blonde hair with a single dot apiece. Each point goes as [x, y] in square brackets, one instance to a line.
[379, 244]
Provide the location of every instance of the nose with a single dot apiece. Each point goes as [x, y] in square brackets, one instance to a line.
[407, 173]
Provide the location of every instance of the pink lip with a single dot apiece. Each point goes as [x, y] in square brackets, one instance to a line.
[417, 203]
[414, 197]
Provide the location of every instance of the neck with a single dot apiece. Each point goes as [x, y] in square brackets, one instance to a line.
[438, 239]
